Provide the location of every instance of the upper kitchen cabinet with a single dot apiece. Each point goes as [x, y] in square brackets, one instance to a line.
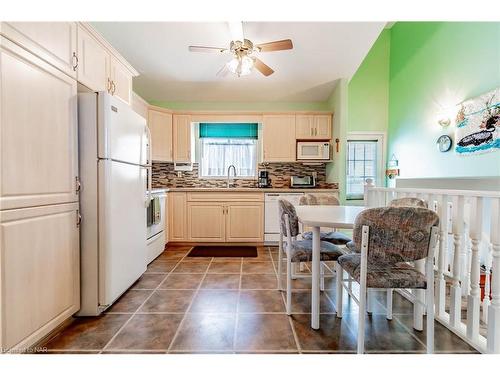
[39, 159]
[182, 138]
[100, 67]
[93, 62]
[139, 105]
[121, 80]
[160, 125]
[313, 127]
[304, 126]
[53, 42]
[323, 126]
[279, 138]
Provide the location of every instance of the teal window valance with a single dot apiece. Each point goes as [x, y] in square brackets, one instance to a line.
[228, 130]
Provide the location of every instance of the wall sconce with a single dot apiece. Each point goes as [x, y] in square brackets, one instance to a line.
[392, 170]
[444, 122]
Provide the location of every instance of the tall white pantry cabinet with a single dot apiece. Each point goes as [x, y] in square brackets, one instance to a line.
[39, 234]
[40, 65]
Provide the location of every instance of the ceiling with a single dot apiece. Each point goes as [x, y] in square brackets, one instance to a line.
[323, 52]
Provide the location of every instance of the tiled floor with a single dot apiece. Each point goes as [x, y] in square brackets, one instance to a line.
[232, 305]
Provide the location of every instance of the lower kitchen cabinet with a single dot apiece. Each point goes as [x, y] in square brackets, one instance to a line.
[245, 222]
[177, 217]
[216, 217]
[206, 221]
[40, 272]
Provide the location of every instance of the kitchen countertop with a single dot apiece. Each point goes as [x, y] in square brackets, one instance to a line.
[248, 190]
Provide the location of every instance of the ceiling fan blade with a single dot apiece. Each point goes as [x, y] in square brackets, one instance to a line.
[223, 71]
[261, 67]
[206, 49]
[278, 45]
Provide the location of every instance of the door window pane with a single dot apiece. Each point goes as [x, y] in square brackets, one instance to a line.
[361, 164]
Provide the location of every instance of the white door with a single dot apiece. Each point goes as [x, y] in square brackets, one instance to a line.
[121, 132]
[122, 228]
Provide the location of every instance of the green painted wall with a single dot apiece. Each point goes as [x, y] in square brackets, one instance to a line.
[368, 97]
[243, 106]
[337, 102]
[433, 67]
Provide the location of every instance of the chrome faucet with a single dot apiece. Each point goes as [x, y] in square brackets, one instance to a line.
[228, 170]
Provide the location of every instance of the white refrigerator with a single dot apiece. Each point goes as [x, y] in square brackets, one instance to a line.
[114, 159]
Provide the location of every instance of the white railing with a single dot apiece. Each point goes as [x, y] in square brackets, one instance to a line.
[469, 242]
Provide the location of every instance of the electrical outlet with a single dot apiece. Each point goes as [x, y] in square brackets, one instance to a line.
[179, 174]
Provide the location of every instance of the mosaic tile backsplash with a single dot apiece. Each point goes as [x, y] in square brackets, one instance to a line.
[164, 176]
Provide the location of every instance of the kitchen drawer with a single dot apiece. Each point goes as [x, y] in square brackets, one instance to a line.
[225, 196]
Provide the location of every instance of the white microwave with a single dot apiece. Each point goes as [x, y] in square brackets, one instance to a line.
[313, 151]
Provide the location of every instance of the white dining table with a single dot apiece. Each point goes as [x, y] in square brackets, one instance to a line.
[339, 217]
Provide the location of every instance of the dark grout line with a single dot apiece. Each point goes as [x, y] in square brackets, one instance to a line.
[195, 294]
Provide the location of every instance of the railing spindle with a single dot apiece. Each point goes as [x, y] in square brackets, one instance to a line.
[493, 343]
[443, 249]
[474, 296]
[458, 244]
[487, 286]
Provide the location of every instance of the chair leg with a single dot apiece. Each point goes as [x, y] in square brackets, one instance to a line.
[429, 301]
[295, 268]
[388, 306]
[369, 301]
[338, 281]
[430, 320]
[288, 286]
[362, 289]
[361, 317]
[322, 279]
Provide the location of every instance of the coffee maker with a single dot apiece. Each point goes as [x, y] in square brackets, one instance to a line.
[264, 180]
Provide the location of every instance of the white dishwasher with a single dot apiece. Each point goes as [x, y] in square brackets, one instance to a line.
[271, 209]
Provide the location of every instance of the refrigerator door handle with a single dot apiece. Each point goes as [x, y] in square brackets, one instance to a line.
[149, 170]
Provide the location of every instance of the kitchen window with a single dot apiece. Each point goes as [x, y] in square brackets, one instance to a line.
[364, 160]
[225, 144]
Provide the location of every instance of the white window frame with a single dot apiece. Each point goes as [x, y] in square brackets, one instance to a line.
[381, 139]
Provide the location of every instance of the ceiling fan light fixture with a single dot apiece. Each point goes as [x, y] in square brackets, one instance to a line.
[241, 65]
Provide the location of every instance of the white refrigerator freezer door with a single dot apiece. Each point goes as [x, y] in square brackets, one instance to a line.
[122, 228]
[121, 132]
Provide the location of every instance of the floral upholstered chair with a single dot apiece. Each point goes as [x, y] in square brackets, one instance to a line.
[297, 251]
[386, 239]
[337, 238]
[408, 202]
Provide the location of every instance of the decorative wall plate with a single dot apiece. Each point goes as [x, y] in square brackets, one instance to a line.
[444, 143]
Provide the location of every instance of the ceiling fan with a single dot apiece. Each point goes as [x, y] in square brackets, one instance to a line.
[242, 50]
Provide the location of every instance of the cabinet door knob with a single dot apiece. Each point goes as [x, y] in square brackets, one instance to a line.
[113, 87]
